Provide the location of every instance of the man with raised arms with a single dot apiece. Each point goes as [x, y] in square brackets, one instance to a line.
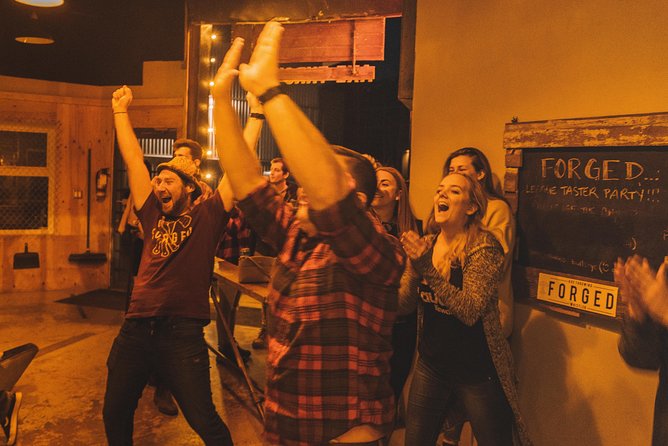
[333, 293]
[169, 305]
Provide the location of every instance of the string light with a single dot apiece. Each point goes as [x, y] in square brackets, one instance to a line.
[214, 36]
[212, 60]
[212, 83]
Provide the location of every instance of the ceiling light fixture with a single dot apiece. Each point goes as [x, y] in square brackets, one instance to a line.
[41, 3]
[33, 33]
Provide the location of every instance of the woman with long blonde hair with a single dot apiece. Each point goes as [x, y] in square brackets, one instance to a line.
[453, 274]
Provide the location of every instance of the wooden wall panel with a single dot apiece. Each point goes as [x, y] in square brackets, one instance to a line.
[155, 116]
[80, 123]
[215, 11]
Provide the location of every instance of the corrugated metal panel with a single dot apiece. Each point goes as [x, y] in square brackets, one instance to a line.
[306, 96]
[157, 147]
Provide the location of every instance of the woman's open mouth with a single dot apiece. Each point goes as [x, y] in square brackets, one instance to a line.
[442, 207]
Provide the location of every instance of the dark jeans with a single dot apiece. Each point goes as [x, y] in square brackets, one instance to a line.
[660, 430]
[404, 334]
[485, 404]
[175, 347]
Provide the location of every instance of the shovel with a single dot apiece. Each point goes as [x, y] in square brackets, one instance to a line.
[25, 259]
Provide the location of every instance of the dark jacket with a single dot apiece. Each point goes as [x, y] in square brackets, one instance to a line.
[645, 346]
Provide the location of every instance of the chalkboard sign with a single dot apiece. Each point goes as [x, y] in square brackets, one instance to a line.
[582, 208]
[585, 191]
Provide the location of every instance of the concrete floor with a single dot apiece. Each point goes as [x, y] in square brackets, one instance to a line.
[63, 388]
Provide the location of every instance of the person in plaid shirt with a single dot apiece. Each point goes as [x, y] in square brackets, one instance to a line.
[333, 294]
[238, 236]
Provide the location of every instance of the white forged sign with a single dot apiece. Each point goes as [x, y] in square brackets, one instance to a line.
[574, 293]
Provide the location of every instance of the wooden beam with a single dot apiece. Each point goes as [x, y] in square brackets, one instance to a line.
[632, 130]
[339, 73]
[228, 12]
[336, 41]
[407, 54]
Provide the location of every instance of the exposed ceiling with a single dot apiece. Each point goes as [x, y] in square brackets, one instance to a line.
[97, 42]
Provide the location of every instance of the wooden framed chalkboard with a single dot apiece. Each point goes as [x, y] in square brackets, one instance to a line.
[586, 191]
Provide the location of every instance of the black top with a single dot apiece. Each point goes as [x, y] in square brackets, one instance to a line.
[453, 348]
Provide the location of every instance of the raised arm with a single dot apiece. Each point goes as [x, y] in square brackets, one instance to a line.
[138, 176]
[237, 160]
[124, 218]
[255, 121]
[303, 147]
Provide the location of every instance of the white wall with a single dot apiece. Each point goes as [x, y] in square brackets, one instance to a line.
[478, 64]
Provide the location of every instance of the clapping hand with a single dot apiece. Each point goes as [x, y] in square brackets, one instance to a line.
[222, 83]
[645, 291]
[414, 245]
[630, 294]
[261, 72]
[652, 287]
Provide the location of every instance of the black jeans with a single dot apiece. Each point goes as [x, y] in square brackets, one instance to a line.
[485, 404]
[176, 348]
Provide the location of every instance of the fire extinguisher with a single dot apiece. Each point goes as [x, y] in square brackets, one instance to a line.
[101, 180]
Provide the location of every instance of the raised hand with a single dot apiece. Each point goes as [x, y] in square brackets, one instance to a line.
[652, 287]
[121, 99]
[629, 292]
[261, 72]
[413, 244]
[228, 70]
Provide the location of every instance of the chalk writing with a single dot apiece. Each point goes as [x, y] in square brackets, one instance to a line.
[594, 169]
[581, 208]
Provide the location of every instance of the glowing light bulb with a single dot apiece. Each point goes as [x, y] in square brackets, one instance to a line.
[207, 175]
[212, 83]
[211, 130]
[214, 36]
[209, 152]
[212, 60]
[42, 3]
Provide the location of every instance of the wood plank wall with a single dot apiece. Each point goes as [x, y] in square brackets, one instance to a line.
[80, 123]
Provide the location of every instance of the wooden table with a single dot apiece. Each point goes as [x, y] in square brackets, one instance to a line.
[225, 293]
[228, 273]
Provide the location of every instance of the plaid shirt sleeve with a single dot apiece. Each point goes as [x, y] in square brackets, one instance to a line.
[237, 236]
[360, 242]
[268, 215]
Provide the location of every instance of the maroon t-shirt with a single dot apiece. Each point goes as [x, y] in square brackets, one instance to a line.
[177, 260]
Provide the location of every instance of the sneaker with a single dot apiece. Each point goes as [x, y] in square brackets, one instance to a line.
[260, 342]
[11, 422]
[162, 398]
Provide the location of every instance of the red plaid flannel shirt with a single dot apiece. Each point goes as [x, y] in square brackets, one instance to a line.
[237, 236]
[332, 302]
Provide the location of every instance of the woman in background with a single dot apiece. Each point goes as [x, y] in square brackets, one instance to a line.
[391, 205]
[453, 274]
